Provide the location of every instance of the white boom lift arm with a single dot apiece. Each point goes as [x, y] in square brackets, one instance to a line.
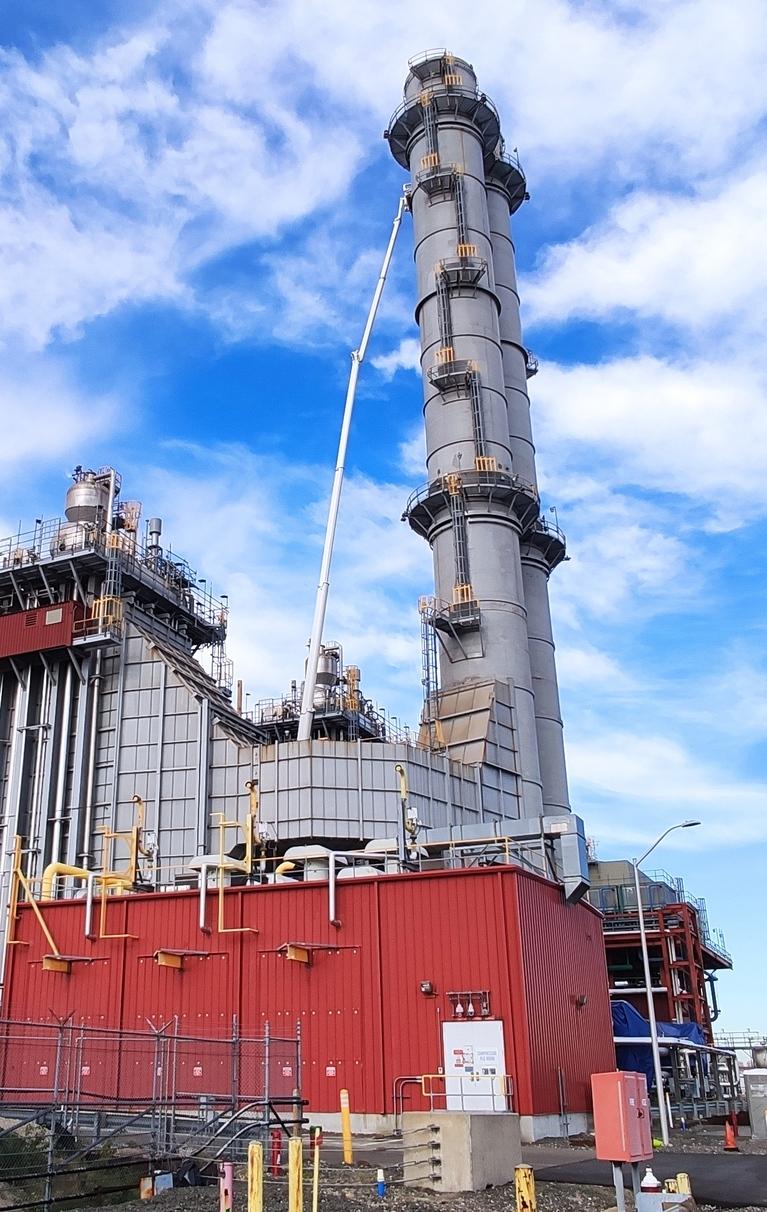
[321, 602]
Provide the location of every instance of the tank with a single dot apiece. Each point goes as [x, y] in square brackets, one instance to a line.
[70, 536]
[328, 674]
[87, 499]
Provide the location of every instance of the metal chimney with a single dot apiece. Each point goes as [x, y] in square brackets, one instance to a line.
[479, 510]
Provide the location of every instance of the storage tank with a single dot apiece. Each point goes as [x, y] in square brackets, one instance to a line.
[88, 498]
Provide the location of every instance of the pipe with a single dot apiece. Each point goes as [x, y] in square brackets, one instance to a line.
[85, 856]
[715, 1010]
[107, 878]
[111, 500]
[332, 889]
[283, 867]
[61, 777]
[89, 905]
[310, 681]
[203, 897]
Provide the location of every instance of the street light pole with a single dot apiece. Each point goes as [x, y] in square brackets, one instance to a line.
[662, 1113]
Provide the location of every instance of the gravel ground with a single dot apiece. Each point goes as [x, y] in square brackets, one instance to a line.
[361, 1194]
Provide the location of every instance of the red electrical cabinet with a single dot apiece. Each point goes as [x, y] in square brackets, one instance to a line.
[622, 1121]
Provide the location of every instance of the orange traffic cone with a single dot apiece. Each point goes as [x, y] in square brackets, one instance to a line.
[730, 1144]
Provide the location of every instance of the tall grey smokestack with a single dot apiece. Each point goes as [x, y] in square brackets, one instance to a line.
[480, 509]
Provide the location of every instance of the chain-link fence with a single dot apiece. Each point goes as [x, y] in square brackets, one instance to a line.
[87, 1105]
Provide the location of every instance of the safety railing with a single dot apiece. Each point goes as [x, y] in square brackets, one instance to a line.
[480, 1091]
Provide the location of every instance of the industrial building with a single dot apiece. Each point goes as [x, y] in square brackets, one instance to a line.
[685, 952]
[414, 902]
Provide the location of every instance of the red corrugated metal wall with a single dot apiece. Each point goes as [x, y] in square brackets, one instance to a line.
[565, 978]
[364, 1019]
[33, 630]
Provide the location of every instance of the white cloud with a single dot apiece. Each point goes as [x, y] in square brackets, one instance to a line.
[407, 356]
[263, 547]
[689, 261]
[129, 165]
[685, 428]
[630, 784]
[45, 415]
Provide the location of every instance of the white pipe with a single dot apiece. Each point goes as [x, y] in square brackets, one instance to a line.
[37, 789]
[320, 606]
[89, 905]
[91, 768]
[61, 777]
[332, 889]
[203, 895]
[111, 499]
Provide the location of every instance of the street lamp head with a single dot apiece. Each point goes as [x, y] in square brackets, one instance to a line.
[689, 824]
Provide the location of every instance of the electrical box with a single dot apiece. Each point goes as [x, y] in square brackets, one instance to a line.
[622, 1120]
[755, 1081]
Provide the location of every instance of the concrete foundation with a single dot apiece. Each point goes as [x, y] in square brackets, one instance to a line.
[460, 1151]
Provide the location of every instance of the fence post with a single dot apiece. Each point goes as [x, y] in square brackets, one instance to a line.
[255, 1176]
[48, 1198]
[235, 1063]
[267, 1062]
[295, 1174]
[346, 1128]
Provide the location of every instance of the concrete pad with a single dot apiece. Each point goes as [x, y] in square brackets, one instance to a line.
[460, 1150]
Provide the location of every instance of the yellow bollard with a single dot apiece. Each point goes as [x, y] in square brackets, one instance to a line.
[295, 1174]
[316, 1171]
[346, 1128]
[255, 1176]
[683, 1184]
[524, 1185]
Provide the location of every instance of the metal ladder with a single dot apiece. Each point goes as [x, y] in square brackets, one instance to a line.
[444, 314]
[460, 208]
[478, 425]
[462, 591]
[430, 125]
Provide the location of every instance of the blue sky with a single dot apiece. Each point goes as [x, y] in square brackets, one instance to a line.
[194, 199]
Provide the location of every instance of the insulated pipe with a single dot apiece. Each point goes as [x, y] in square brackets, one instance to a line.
[107, 878]
[61, 776]
[310, 681]
[85, 856]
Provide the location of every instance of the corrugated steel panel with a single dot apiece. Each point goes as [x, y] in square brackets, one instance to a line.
[364, 1020]
[566, 995]
[37, 630]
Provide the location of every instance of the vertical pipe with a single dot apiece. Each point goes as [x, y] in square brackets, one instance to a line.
[90, 775]
[61, 775]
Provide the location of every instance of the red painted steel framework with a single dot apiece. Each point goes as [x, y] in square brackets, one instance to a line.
[370, 992]
[679, 959]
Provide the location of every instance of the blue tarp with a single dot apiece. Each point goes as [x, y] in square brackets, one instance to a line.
[637, 1058]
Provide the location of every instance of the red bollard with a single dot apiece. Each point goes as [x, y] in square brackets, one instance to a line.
[275, 1152]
